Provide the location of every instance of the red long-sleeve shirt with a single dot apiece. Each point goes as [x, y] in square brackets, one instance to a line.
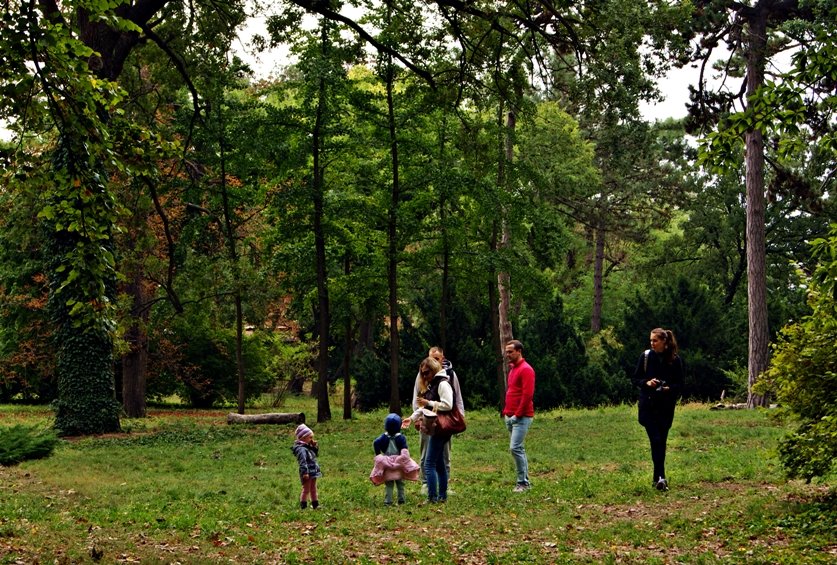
[520, 390]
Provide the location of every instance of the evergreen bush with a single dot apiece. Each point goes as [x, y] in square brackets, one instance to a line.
[19, 443]
[705, 334]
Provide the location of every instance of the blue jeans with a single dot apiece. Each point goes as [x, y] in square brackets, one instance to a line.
[518, 428]
[435, 470]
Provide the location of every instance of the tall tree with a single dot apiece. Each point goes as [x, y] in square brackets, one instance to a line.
[754, 36]
[61, 64]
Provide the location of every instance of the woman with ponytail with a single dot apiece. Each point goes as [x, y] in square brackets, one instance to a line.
[659, 377]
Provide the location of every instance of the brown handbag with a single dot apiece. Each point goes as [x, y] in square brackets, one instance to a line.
[449, 423]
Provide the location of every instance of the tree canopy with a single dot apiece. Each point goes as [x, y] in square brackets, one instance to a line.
[416, 174]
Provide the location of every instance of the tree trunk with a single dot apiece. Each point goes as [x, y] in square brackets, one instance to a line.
[756, 246]
[347, 377]
[445, 299]
[598, 287]
[135, 362]
[347, 354]
[446, 251]
[229, 231]
[392, 236]
[503, 279]
[323, 408]
[86, 402]
[497, 348]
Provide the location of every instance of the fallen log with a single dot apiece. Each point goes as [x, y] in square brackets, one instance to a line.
[270, 418]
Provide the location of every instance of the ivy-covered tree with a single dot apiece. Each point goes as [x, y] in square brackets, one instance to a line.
[61, 64]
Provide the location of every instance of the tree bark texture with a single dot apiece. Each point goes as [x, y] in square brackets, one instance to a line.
[135, 362]
[503, 278]
[756, 241]
[598, 276]
[446, 246]
[495, 338]
[392, 236]
[229, 232]
[323, 320]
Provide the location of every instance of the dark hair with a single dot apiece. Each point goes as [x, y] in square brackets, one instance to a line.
[671, 343]
[516, 344]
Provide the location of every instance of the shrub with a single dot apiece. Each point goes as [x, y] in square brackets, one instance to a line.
[20, 443]
[558, 354]
[196, 361]
[803, 374]
[371, 373]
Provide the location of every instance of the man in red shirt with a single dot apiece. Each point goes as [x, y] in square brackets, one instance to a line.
[519, 410]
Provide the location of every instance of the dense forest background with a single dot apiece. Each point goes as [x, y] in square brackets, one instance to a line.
[418, 174]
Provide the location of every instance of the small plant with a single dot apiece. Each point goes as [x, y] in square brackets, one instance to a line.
[19, 443]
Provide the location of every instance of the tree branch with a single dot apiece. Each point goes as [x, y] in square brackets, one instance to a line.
[179, 65]
[322, 9]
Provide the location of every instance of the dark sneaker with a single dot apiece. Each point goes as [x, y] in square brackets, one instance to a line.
[661, 484]
[521, 487]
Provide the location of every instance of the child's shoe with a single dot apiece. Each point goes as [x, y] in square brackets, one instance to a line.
[315, 504]
[303, 505]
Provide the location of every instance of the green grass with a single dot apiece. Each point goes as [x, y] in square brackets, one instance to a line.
[183, 486]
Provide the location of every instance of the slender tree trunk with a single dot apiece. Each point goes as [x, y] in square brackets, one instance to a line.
[497, 347]
[392, 236]
[323, 408]
[754, 161]
[598, 275]
[232, 250]
[503, 279]
[135, 362]
[347, 355]
[446, 251]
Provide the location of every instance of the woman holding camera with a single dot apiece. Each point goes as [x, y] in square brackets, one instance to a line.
[659, 377]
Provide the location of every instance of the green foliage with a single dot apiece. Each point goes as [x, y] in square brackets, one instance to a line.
[27, 368]
[371, 375]
[557, 353]
[20, 443]
[69, 105]
[195, 359]
[700, 325]
[803, 373]
[86, 402]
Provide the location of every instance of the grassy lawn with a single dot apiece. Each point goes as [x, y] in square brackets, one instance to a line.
[182, 486]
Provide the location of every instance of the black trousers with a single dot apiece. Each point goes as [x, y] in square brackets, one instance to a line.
[658, 435]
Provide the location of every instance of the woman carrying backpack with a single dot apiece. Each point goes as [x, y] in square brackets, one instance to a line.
[659, 376]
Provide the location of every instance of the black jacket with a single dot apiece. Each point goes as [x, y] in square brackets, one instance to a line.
[656, 406]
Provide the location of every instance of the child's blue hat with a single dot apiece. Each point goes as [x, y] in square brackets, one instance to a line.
[392, 424]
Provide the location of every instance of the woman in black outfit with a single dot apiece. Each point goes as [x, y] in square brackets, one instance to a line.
[659, 377]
